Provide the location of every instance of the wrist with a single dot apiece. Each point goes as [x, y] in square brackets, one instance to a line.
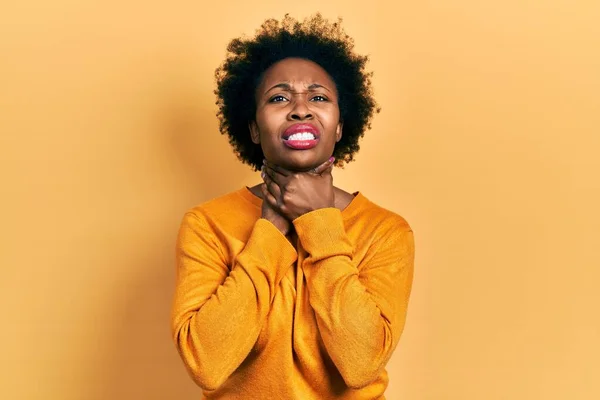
[283, 227]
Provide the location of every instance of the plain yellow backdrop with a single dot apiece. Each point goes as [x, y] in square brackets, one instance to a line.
[487, 144]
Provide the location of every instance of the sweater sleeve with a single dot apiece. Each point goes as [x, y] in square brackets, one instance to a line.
[218, 313]
[360, 313]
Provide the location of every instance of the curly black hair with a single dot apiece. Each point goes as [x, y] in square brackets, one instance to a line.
[314, 39]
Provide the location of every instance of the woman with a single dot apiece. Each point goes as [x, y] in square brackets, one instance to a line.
[293, 288]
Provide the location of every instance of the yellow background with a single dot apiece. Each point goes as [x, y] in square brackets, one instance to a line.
[487, 144]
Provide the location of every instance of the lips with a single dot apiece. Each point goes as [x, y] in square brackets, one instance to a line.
[301, 136]
[299, 129]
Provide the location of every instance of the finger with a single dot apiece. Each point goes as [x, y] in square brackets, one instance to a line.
[277, 168]
[323, 167]
[277, 177]
[267, 196]
[271, 185]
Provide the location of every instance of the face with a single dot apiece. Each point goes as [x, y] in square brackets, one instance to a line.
[297, 115]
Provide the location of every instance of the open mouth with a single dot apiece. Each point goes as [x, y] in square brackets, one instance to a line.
[301, 137]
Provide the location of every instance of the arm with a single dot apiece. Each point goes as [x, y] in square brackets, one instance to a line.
[217, 314]
[360, 314]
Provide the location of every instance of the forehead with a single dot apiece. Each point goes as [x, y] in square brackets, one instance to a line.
[296, 71]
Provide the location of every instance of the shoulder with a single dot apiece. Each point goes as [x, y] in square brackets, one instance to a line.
[218, 205]
[232, 212]
[380, 218]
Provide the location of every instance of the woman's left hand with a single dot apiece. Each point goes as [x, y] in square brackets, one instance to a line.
[296, 193]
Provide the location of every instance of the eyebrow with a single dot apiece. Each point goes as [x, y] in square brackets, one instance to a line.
[288, 87]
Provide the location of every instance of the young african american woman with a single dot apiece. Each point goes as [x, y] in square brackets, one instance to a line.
[293, 288]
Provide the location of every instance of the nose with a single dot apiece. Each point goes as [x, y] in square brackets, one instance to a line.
[300, 110]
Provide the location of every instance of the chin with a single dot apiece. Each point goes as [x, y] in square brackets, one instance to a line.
[301, 165]
[299, 160]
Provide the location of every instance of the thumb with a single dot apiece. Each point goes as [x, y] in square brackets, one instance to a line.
[327, 165]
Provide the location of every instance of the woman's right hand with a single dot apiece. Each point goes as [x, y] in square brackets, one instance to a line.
[271, 215]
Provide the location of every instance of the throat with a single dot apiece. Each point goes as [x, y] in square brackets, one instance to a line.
[342, 198]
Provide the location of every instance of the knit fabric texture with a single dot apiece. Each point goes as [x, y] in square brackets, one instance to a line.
[257, 317]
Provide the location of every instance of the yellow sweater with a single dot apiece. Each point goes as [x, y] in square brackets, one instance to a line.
[255, 317]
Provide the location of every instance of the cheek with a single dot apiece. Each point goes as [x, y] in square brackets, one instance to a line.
[333, 119]
[266, 129]
[332, 113]
[267, 122]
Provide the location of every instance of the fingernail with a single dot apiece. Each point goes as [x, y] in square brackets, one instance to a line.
[331, 159]
[262, 175]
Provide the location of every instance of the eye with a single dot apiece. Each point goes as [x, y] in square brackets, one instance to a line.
[319, 98]
[277, 99]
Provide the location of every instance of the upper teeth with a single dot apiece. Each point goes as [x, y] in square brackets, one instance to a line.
[302, 136]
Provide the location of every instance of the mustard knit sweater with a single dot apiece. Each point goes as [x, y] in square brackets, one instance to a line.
[255, 317]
